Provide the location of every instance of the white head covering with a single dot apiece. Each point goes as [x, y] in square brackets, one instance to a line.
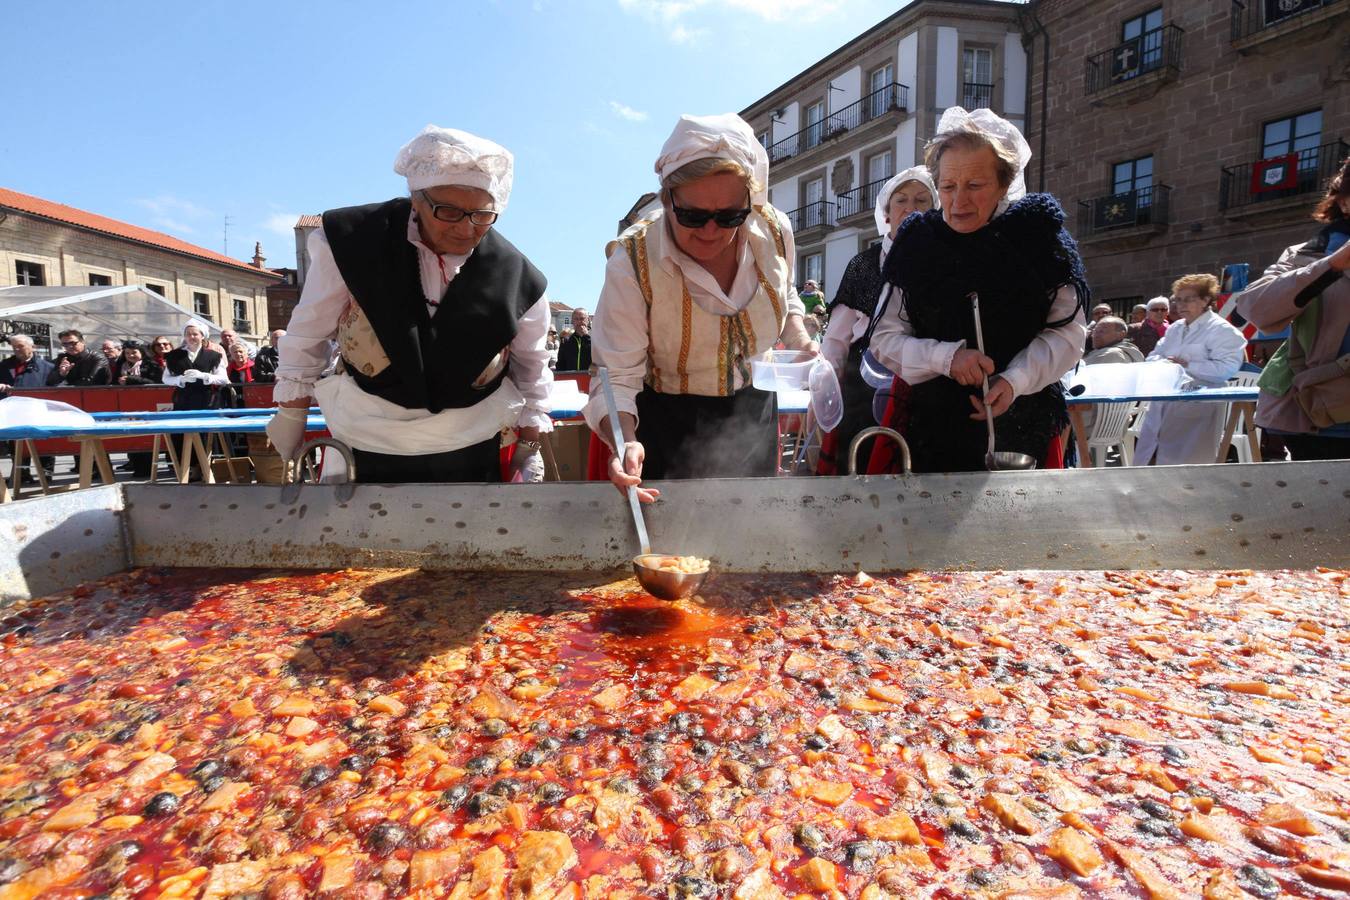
[914, 173]
[448, 156]
[726, 136]
[998, 131]
[200, 326]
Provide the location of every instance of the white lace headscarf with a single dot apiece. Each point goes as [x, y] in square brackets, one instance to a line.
[447, 156]
[725, 136]
[914, 173]
[998, 131]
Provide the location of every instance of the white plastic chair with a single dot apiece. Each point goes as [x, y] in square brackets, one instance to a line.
[1108, 430]
[1132, 433]
[1240, 442]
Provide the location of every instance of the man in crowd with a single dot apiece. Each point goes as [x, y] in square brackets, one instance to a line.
[271, 353]
[1099, 312]
[551, 345]
[25, 369]
[1147, 333]
[1111, 344]
[574, 354]
[78, 367]
[1138, 314]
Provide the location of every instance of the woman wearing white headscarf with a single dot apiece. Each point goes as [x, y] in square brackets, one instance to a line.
[854, 305]
[692, 295]
[992, 238]
[440, 322]
[195, 370]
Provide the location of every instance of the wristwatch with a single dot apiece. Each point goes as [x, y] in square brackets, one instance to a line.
[531, 446]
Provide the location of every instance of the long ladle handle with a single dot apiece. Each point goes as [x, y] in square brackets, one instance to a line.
[617, 433]
[979, 342]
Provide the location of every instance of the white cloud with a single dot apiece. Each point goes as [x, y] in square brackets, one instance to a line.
[623, 111]
[281, 223]
[172, 213]
[675, 15]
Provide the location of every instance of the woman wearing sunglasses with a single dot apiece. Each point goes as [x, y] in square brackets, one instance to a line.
[440, 323]
[692, 294]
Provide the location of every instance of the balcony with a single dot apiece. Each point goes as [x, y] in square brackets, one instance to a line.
[977, 96]
[243, 326]
[860, 200]
[1257, 21]
[1257, 186]
[811, 220]
[1128, 214]
[893, 97]
[1139, 64]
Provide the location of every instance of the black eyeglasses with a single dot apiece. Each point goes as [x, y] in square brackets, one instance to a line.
[448, 212]
[697, 218]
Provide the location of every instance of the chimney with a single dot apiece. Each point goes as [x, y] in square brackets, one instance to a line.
[258, 258]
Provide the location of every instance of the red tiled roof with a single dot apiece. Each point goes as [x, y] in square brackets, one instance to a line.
[555, 306]
[309, 221]
[59, 212]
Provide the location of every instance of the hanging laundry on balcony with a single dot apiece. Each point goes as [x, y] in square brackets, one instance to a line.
[1277, 173]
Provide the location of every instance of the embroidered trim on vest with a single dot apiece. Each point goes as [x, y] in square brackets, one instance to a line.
[771, 220]
[773, 295]
[724, 378]
[686, 334]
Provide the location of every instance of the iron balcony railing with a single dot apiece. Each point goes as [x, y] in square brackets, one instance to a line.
[1128, 209]
[861, 199]
[977, 96]
[1250, 17]
[876, 104]
[1300, 172]
[242, 326]
[1152, 51]
[812, 215]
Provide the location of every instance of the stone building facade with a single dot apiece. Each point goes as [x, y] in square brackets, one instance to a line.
[47, 243]
[839, 129]
[1185, 136]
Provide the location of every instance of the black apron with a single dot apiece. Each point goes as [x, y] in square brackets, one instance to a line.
[479, 462]
[692, 436]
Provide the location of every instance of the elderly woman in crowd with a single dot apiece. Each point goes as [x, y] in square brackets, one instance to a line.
[1305, 387]
[440, 322]
[692, 295]
[1010, 248]
[1211, 351]
[134, 368]
[854, 305]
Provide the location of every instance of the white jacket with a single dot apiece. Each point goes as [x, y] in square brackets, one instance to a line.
[1188, 432]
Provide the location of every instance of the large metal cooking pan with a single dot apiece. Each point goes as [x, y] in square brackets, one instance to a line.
[1262, 516]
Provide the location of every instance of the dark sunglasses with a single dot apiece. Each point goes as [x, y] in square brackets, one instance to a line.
[448, 212]
[697, 218]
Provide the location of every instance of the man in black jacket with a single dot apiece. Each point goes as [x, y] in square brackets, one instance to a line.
[25, 369]
[574, 354]
[78, 367]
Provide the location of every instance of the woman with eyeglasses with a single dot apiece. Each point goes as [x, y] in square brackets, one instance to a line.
[694, 293]
[440, 323]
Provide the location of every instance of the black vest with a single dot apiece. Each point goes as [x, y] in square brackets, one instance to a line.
[193, 394]
[433, 359]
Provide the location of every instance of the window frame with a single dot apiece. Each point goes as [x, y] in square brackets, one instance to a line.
[814, 131]
[103, 279]
[1143, 192]
[804, 267]
[24, 278]
[1306, 160]
[159, 289]
[200, 299]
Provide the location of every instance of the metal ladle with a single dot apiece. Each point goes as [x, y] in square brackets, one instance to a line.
[662, 583]
[1005, 460]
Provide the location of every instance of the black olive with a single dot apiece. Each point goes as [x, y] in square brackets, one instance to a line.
[963, 829]
[162, 804]
[652, 755]
[122, 735]
[205, 769]
[696, 731]
[828, 694]
[354, 763]
[212, 784]
[495, 728]
[441, 733]
[1257, 881]
[529, 759]
[1156, 810]
[655, 736]
[484, 804]
[550, 792]
[119, 851]
[315, 776]
[1047, 754]
[702, 749]
[987, 723]
[653, 774]
[1174, 753]
[689, 783]
[539, 728]
[454, 797]
[863, 855]
[507, 787]
[693, 886]
[681, 721]
[1154, 827]
[356, 723]
[982, 877]
[548, 745]
[1078, 745]
[482, 765]
[622, 784]
[816, 742]
[386, 837]
[11, 869]
[580, 733]
[622, 733]
[811, 838]
[961, 774]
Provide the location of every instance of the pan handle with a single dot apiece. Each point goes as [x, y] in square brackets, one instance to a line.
[293, 471]
[878, 431]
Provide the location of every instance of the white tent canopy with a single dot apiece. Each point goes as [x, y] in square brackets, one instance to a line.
[129, 311]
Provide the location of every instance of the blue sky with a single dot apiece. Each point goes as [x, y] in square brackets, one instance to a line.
[175, 115]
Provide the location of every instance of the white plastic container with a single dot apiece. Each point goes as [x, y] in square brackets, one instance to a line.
[780, 371]
[1128, 379]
